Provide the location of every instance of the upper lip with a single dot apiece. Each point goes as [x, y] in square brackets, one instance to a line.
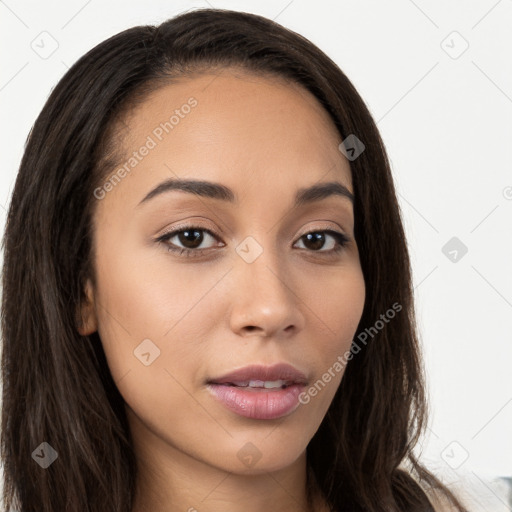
[279, 371]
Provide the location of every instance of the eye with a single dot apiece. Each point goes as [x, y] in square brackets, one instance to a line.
[191, 238]
[317, 239]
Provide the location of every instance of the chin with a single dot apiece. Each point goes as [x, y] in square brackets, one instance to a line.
[258, 454]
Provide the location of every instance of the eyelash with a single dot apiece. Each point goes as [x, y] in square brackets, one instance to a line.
[341, 239]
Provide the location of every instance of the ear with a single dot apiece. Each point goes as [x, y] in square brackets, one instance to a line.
[87, 319]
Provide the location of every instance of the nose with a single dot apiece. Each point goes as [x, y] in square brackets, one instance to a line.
[265, 298]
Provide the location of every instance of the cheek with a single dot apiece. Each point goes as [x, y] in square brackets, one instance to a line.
[149, 343]
[336, 307]
[141, 294]
[337, 304]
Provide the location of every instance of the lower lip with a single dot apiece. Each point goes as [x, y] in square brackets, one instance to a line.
[258, 403]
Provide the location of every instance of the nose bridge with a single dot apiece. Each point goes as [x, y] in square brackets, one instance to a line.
[264, 297]
[259, 259]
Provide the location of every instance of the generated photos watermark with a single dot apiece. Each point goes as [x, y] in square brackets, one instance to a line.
[342, 360]
[152, 140]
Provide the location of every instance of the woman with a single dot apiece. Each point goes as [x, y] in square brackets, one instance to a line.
[207, 291]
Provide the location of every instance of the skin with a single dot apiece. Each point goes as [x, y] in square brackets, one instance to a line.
[263, 138]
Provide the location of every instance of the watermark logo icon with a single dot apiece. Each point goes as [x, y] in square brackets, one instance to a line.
[352, 147]
[249, 454]
[45, 45]
[507, 193]
[249, 249]
[454, 45]
[454, 249]
[146, 352]
[455, 455]
[44, 455]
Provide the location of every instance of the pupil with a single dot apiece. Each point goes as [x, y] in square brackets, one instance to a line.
[191, 238]
[318, 239]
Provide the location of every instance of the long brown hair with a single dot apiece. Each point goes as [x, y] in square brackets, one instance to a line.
[57, 388]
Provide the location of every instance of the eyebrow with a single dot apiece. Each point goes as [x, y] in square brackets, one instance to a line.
[218, 191]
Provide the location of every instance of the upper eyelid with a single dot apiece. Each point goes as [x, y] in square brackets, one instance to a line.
[179, 229]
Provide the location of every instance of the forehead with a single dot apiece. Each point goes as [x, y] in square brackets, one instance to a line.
[252, 133]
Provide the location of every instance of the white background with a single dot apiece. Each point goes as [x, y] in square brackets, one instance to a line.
[446, 121]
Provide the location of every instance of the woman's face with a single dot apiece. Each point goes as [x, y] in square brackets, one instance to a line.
[254, 288]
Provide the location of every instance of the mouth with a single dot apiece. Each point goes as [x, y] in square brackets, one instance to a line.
[260, 392]
[258, 385]
[257, 375]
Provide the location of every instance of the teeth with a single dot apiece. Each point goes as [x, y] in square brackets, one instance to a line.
[241, 384]
[274, 384]
[267, 384]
